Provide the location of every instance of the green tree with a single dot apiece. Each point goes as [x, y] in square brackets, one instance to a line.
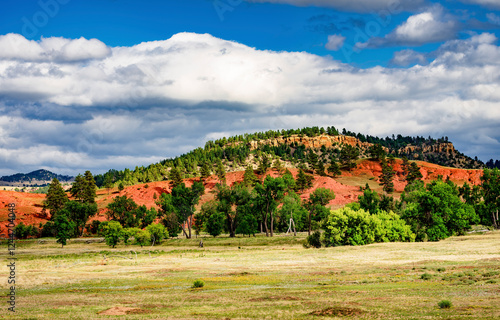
[121, 186]
[414, 173]
[436, 211]
[292, 208]
[386, 177]
[377, 152]
[369, 201]
[176, 177]
[113, 232]
[220, 171]
[205, 171]
[249, 178]
[55, 198]
[181, 202]
[303, 181]
[123, 209]
[142, 238]
[64, 229]
[490, 185]
[264, 164]
[316, 206]
[79, 213]
[270, 193]
[108, 182]
[278, 166]
[334, 169]
[348, 157]
[157, 232]
[84, 188]
[213, 219]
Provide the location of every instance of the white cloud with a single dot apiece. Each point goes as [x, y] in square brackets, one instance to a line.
[143, 103]
[361, 6]
[16, 47]
[426, 27]
[335, 42]
[408, 57]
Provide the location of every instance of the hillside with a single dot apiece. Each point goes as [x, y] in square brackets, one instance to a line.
[346, 188]
[36, 178]
[292, 147]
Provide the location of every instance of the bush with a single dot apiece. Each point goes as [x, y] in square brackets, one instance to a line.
[157, 232]
[48, 229]
[426, 276]
[314, 240]
[444, 304]
[348, 226]
[198, 284]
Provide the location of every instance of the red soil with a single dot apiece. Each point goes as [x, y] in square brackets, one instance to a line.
[29, 206]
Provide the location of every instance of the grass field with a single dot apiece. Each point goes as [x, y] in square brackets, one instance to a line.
[256, 278]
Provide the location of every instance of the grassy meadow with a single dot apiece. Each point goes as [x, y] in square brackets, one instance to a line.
[256, 278]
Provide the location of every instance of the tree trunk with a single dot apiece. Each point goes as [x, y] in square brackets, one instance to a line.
[272, 223]
[231, 227]
[309, 232]
[265, 221]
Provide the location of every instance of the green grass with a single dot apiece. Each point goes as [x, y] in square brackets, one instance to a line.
[257, 278]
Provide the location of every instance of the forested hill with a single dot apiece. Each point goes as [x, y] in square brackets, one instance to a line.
[294, 148]
[38, 177]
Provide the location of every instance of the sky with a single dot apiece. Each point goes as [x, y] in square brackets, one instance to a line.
[113, 84]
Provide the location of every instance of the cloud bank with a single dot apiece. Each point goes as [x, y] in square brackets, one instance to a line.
[71, 105]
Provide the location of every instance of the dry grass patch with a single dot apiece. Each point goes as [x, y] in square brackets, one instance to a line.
[338, 312]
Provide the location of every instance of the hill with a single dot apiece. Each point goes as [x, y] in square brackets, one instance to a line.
[36, 178]
[292, 147]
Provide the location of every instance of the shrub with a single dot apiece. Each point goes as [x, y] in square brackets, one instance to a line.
[426, 276]
[352, 226]
[198, 284]
[158, 232]
[314, 240]
[444, 304]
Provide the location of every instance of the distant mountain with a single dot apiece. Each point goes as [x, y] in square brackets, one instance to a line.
[36, 178]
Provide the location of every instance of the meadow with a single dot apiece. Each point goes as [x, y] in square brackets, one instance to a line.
[256, 278]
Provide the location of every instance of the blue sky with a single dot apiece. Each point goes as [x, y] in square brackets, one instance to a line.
[102, 84]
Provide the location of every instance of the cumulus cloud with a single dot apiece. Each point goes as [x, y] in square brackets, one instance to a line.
[140, 104]
[426, 27]
[408, 57]
[335, 42]
[16, 47]
[361, 6]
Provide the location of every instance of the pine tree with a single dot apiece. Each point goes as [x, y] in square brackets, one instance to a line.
[56, 198]
[303, 181]
[386, 177]
[348, 157]
[221, 171]
[249, 178]
[414, 173]
[205, 171]
[264, 164]
[334, 169]
[278, 166]
[90, 188]
[175, 177]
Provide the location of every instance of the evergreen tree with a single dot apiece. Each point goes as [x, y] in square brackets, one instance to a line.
[90, 189]
[55, 199]
[386, 177]
[175, 177]
[334, 169]
[108, 182]
[249, 178]
[264, 164]
[79, 213]
[221, 172]
[278, 166]
[348, 157]
[303, 181]
[414, 173]
[205, 171]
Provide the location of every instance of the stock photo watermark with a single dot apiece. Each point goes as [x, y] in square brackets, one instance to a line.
[224, 6]
[48, 10]
[11, 244]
